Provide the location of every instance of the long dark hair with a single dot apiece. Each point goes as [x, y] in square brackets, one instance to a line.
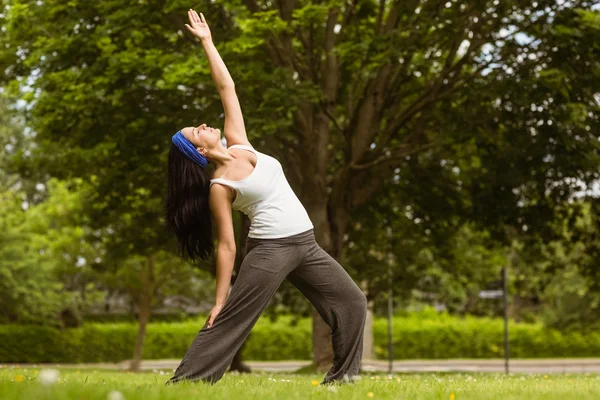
[187, 208]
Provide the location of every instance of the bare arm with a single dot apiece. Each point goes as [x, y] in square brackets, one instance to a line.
[220, 206]
[234, 129]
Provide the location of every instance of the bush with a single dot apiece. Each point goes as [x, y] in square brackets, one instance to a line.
[414, 338]
[470, 337]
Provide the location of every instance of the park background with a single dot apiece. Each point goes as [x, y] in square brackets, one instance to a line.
[432, 143]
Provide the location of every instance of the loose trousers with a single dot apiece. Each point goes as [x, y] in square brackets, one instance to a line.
[318, 276]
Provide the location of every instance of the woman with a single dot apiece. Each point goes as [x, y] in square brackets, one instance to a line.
[281, 243]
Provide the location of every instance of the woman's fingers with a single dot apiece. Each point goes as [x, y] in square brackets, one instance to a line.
[196, 17]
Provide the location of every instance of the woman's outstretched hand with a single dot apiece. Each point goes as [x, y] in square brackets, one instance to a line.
[216, 310]
[199, 27]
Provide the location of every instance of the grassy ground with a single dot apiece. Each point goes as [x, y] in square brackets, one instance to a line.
[29, 383]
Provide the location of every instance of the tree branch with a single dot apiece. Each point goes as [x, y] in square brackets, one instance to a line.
[395, 153]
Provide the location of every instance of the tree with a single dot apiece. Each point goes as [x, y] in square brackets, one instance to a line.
[38, 245]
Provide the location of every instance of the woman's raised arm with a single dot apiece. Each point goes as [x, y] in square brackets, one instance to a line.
[234, 129]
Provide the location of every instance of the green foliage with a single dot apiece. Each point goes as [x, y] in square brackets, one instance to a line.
[40, 251]
[415, 336]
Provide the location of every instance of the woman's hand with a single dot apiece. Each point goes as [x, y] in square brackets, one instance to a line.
[199, 27]
[213, 314]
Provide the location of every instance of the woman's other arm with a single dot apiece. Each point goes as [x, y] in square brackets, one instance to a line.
[220, 205]
[234, 129]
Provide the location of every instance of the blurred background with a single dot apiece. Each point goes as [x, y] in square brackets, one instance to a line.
[433, 143]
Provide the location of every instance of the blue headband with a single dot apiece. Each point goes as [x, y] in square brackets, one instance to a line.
[189, 149]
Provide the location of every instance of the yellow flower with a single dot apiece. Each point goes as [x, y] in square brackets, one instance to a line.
[399, 380]
[546, 376]
[377, 377]
[452, 396]
[19, 378]
[370, 394]
[315, 383]
[549, 380]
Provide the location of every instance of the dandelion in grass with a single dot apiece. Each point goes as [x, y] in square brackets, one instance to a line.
[370, 394]
[315, 383]
[49, 376]
[19, 378]
[115, 395]
[452, 396]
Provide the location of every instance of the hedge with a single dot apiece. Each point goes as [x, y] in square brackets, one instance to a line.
[414, 338]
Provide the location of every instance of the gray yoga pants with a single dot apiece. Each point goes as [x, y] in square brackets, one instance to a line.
[298, 258]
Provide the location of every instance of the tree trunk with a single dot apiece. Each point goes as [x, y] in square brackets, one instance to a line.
[237, 363]
[145, 310]
[322, 348]
[144, 318]
[368, 331]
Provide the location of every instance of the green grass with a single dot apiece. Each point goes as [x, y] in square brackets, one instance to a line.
[85, 384]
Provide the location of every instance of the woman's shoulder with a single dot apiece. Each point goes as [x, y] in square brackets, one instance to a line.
[240, 146]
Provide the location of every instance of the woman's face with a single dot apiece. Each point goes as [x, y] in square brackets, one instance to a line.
[202, 136]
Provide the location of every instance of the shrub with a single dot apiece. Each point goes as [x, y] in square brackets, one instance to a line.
[414, 338]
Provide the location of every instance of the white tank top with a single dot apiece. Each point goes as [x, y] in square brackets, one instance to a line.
[266, 197]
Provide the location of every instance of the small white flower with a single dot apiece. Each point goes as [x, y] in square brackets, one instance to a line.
[115, 395]
[332, 389]
[48, 376]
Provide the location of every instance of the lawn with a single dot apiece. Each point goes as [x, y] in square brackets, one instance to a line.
[39, 384]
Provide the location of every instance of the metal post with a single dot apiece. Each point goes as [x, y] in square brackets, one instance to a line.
[506, 340]
[390, 304]
[390, 319]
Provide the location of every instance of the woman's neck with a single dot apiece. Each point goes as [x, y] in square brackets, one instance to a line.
[220, 157]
